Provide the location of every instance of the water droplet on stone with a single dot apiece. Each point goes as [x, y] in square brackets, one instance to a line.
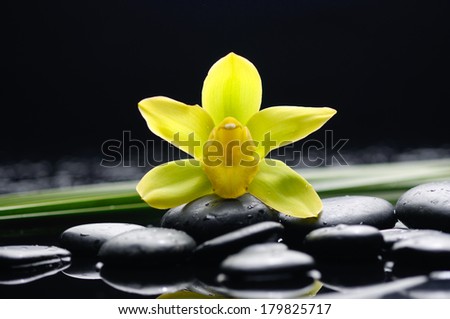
[208, 217]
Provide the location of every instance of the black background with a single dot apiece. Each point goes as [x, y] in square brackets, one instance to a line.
[73, 71]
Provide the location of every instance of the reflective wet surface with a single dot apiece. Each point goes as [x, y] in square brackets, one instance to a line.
[75, 276]
[82, 277]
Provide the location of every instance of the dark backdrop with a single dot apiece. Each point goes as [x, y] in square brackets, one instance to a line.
[73, 71]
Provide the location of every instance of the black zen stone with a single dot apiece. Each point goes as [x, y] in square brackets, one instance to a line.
[426, 206]
[345, 242]
[267, 273]
[266, 247]
[23, 264]
[421, 254]
[87, 239]
[391, 236]
[23, 255]
[221, 246]
[348, 210]
[147, 247]
[266, 265]
[211, 216]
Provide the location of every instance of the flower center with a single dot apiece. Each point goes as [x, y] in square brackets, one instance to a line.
[229, 158]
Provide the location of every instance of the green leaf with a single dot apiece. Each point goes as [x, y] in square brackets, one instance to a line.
[387, 180]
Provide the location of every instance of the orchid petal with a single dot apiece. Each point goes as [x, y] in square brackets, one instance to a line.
[232, 88]
[274, 127]
[173, 184]
[281, 188]
[185, 126]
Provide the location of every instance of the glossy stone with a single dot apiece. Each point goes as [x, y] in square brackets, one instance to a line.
[283, 285]
[391, 236]
[426, 206]
[20, 255]
[266, 247]
[211, 216]
[251, 265]
[149, 246]
[354, 242]
[30, 273]
[421, 254]
[88, 238]
[349, 210]
[224, 245]
[21, 264]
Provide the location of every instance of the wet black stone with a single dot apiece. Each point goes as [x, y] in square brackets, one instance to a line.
[88, 238]
[22, 255]
[271, 286]
[421, 254]
[349, 210]
[267, 271]
[391, 236]
[211, 216]
[272, 264]
[266, 247]
[224, 245]
[23, 264]
[30, 273]
[426, 206]
[148, 246]
[349, 242]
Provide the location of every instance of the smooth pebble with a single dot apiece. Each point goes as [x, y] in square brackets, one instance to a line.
[348, 210]
[88, 238]
[426, 206]
[149, 246]
[211, 216]
[345, 242]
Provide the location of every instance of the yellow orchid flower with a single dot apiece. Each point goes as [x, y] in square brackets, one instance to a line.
[228, 139]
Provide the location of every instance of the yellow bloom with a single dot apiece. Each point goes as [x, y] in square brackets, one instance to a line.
[228, 139]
